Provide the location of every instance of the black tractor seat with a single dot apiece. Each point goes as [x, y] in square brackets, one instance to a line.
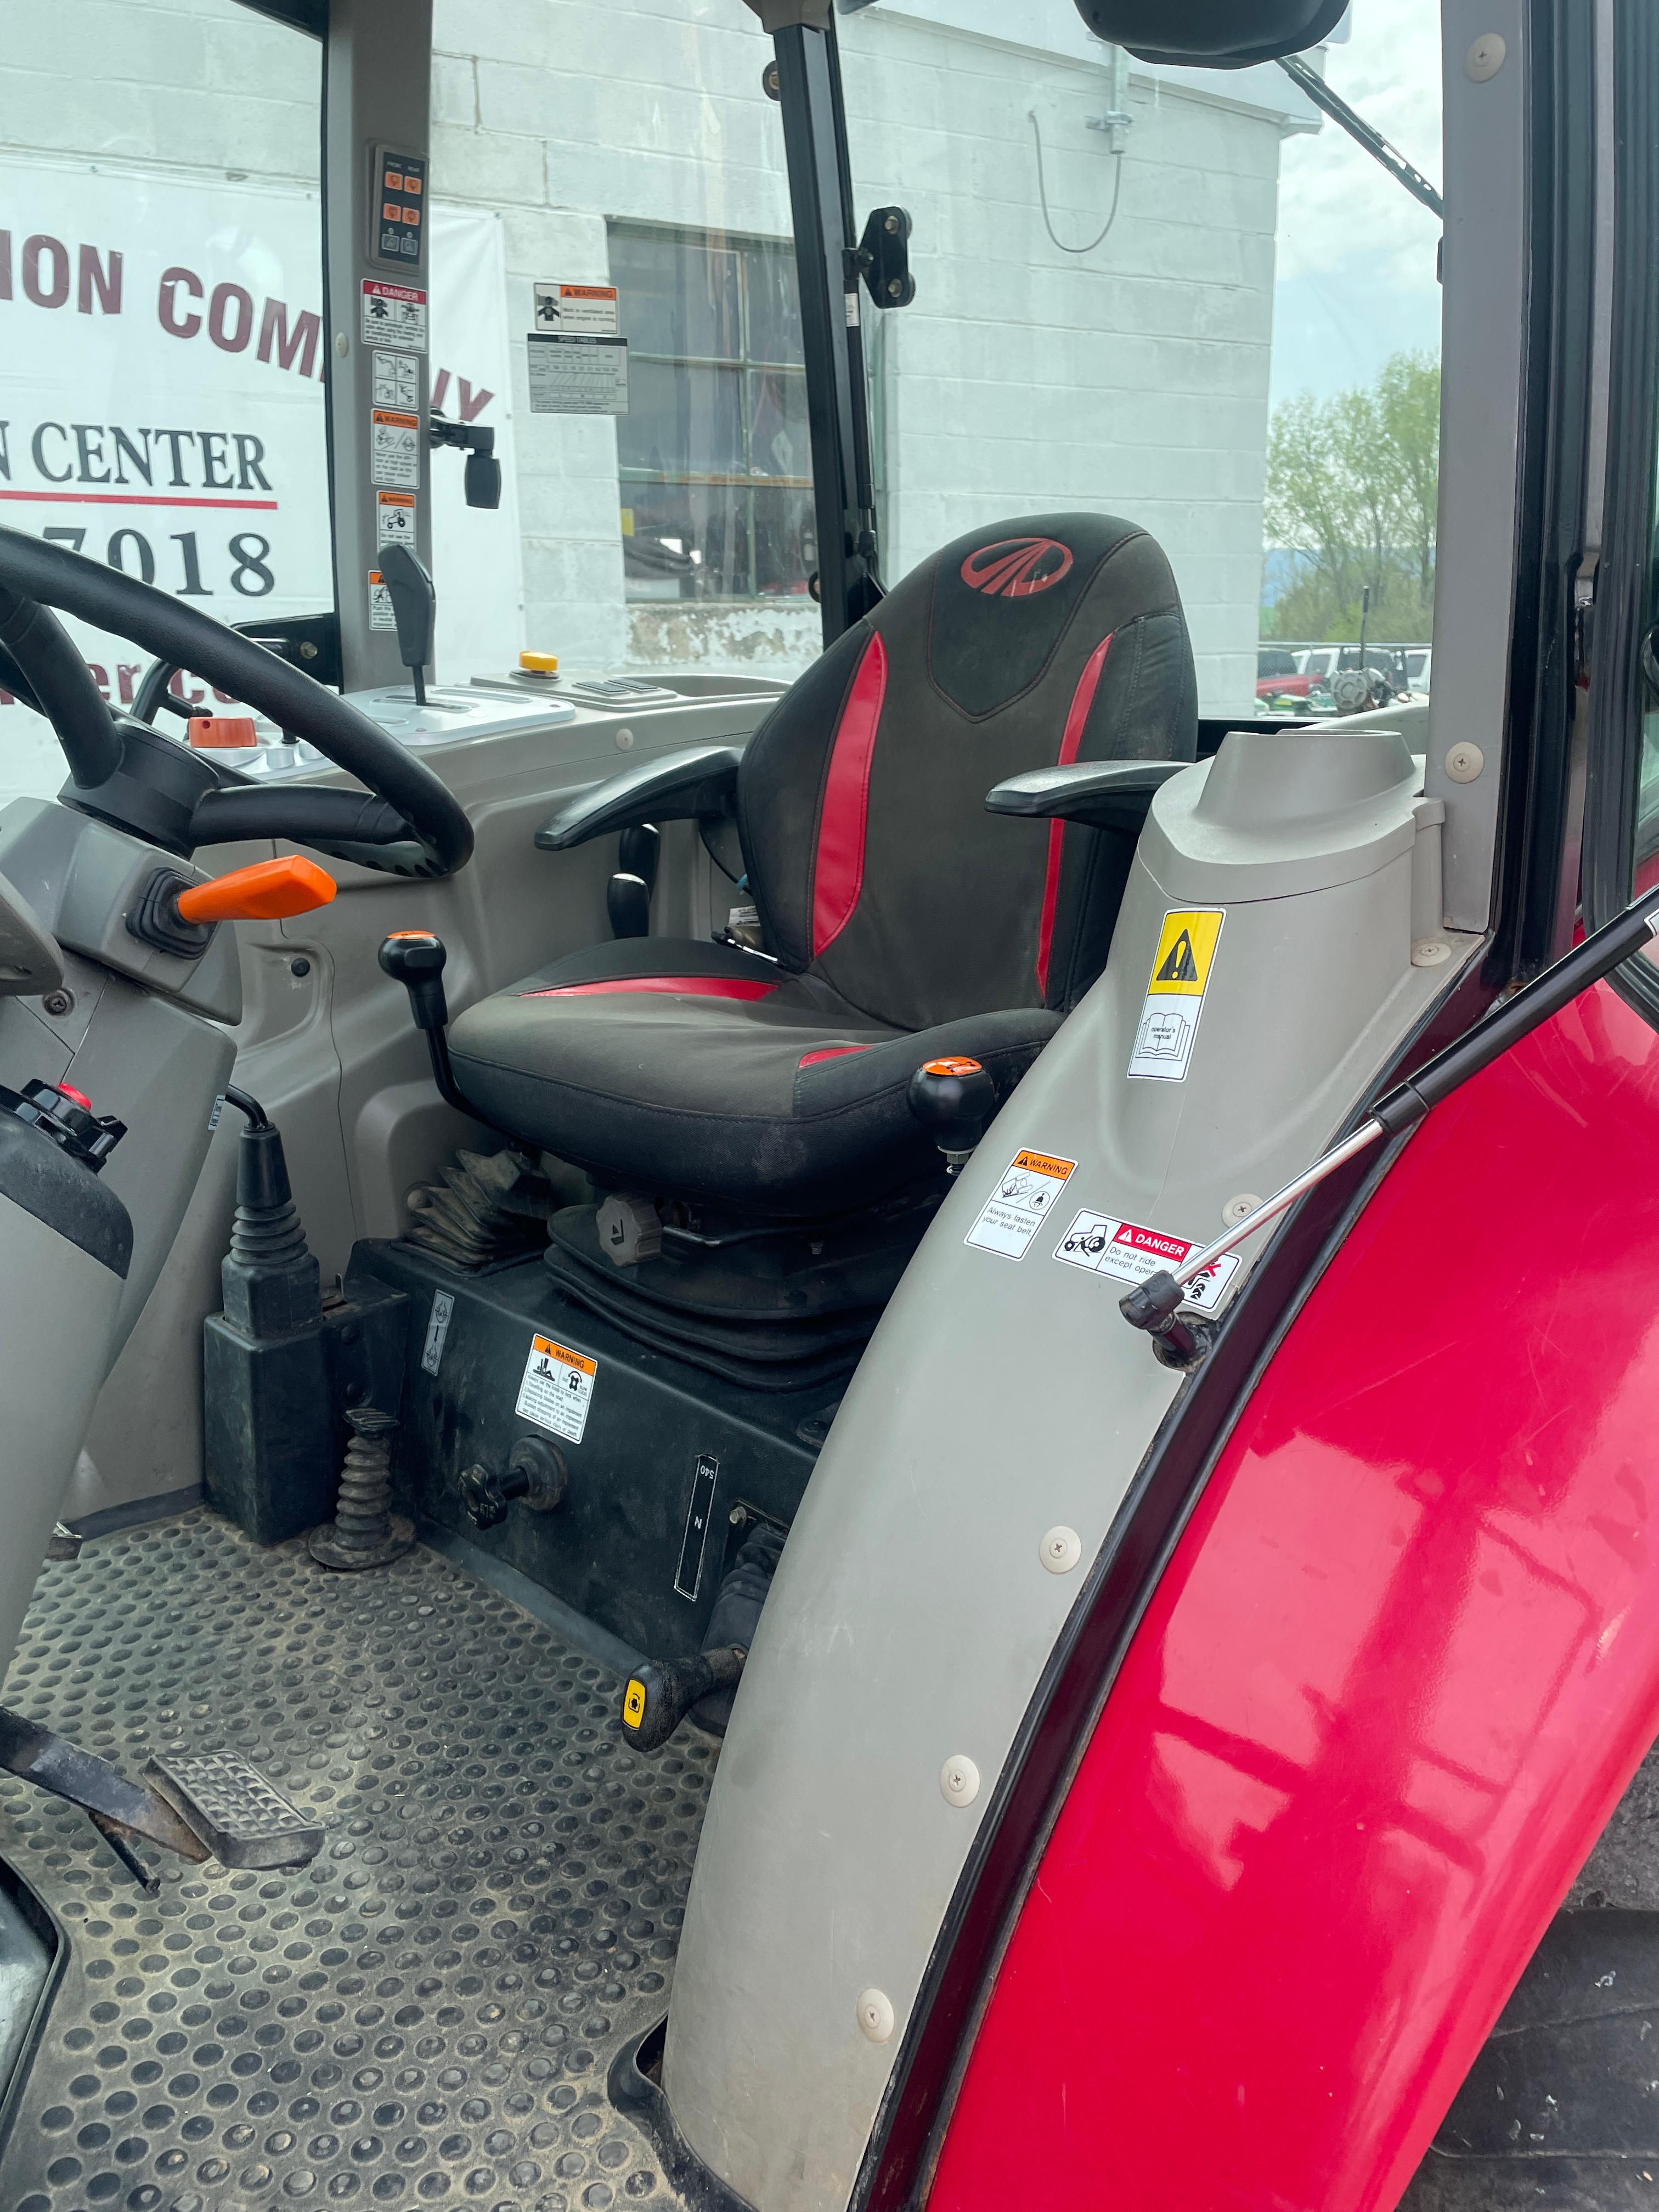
[903, 921]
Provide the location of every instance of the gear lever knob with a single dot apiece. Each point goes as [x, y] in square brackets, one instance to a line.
[954, 1099]
[415, 958]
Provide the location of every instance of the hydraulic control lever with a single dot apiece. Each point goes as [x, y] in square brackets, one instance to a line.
[1154, 1304]
[954, 1100]
[415, 958]
[414, 609]
[661, 1692]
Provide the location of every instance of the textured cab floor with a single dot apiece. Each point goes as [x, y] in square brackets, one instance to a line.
[427, 2013]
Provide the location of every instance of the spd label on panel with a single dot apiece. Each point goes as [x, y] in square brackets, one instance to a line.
[1124, 1249]
[1017, 1208]
[1174, 994]
[557, 1389]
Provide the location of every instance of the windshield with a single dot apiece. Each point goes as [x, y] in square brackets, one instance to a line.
[1178, 297]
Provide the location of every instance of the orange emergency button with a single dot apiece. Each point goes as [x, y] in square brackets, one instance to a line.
[209, 732]
[270, 890]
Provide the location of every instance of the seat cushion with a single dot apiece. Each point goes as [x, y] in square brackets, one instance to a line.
[685, 1069]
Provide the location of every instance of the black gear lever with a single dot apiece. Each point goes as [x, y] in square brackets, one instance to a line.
[415, 958]
[954, 1100]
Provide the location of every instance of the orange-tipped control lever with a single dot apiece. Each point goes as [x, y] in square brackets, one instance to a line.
[270, 890]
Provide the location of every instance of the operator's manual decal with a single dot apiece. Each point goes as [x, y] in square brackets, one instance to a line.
[1124, 1249]
[557, 1389]
[1174, 994]
[1017, 1208]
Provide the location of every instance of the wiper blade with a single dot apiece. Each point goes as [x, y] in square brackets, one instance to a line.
[1362, 132]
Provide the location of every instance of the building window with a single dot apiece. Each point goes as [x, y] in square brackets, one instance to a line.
[713, 455]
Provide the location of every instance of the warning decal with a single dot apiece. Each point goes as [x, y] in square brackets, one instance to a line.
[381, 614]
[1016, 1209]
[557, 1389]
[1174, 994]
[1131, 1253]
[395, 519]
[394, 449]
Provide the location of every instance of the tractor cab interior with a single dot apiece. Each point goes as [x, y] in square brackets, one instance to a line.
[580, 1087]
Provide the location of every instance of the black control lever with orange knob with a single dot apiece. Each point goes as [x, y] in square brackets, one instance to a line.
[415, 958]
[954, 1099]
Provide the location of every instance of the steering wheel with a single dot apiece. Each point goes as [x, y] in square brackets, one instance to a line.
[121, 769]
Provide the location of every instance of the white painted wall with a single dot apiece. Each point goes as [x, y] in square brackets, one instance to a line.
[1134, 379]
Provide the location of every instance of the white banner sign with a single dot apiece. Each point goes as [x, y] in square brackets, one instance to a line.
[162, 356]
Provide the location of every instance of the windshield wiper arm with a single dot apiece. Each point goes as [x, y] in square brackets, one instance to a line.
[1362, 132]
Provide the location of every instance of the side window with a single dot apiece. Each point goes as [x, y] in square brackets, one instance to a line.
[712, 455]
[1647, 792]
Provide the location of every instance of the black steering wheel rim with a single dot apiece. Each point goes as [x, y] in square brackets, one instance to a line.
[31, 570]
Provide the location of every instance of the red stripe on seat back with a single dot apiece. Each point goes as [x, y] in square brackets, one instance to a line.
[688, 986]
[838, 863]
[828, 1051]
[1076, 715]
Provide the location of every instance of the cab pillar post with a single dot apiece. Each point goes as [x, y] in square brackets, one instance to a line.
[377, 77]
[821, 200]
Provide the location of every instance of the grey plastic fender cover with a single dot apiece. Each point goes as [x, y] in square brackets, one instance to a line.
[1001, 1399]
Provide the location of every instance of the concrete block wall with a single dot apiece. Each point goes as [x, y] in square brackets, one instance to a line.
[1131, 378]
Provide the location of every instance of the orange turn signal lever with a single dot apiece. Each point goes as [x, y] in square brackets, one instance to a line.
[270, 890]
[177, 916]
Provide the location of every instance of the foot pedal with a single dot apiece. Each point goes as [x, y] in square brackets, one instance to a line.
[243, 1820]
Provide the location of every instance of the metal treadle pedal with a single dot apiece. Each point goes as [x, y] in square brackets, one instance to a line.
[243, 1819]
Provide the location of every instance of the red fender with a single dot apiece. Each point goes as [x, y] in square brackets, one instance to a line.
[1398, 1672]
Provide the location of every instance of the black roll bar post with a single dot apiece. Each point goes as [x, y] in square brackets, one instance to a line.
[826, 241]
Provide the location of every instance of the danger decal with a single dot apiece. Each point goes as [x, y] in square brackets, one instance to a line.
[1181, 968]
[1124, 1249]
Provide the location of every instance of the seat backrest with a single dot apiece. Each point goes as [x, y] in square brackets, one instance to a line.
[861, 796]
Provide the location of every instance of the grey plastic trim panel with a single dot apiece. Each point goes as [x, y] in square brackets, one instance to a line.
[1485, 309]
[111, 1519]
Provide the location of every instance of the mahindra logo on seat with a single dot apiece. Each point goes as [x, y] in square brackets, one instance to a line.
[1015, 568]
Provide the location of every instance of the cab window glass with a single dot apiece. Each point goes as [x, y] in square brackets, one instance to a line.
[161, 336]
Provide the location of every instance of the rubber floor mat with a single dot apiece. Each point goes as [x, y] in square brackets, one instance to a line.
[425, 2014]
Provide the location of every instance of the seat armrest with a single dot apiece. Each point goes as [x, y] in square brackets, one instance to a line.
[695, 785]
[1106, 794]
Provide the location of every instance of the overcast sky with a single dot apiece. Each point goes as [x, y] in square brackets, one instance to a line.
[1356, 252]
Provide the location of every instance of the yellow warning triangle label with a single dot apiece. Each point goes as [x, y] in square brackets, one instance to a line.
[1186, 950]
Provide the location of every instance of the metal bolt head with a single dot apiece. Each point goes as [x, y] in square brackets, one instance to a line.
[58, 1003]
[875, 2012]
[1239, 1209]
[1484, 58]
[1060, 1549]
[299, 966]
[959, 1779]
[1464, 762]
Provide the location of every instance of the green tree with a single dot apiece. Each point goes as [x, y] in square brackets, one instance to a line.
[1352, 485]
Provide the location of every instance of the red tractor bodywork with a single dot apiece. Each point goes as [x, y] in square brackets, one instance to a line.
[1399, 1671]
